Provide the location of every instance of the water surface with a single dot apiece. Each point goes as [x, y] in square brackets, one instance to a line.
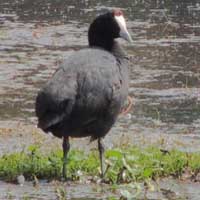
[165, 79]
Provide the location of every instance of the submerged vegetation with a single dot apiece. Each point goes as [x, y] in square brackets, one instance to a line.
[123, 165]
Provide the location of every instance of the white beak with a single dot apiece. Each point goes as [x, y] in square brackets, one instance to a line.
[123, 30]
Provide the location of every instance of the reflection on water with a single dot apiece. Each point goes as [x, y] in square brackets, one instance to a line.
[165, 75]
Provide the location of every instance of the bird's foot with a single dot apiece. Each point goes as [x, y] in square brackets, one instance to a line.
[128, 108]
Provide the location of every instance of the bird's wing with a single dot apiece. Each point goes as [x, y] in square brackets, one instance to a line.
[98, 88]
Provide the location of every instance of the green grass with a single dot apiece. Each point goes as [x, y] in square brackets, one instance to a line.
[123, 165]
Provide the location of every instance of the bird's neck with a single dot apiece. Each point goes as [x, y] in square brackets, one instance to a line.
[104, 43]
[118, 51]
[110, 45]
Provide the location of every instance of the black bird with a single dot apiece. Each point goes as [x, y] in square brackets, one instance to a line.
[88, 91]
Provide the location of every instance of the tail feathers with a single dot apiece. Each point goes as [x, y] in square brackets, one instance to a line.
[49, 120]
[51, 111]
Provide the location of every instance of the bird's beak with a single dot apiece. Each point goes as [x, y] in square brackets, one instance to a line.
[125, 35]
[123, 30]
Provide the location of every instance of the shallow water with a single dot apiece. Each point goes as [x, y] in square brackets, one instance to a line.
[164, 189]
[165, 58]
[165, 55]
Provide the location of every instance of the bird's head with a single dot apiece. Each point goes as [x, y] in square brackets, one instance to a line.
[107, 27]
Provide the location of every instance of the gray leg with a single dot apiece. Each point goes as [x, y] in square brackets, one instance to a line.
[101, 156]
[66, 147]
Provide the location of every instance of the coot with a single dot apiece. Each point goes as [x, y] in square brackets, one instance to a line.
[88, 91]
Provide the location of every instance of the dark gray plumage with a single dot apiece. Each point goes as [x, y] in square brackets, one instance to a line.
[88, 91]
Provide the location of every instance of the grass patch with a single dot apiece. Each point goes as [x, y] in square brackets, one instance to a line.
[123, 165]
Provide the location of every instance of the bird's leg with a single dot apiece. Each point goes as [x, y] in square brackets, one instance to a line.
[101, 156]
[66, 147]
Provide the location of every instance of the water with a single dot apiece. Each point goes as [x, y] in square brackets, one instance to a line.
[165, 77]
[164, 189]
[165, 55]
